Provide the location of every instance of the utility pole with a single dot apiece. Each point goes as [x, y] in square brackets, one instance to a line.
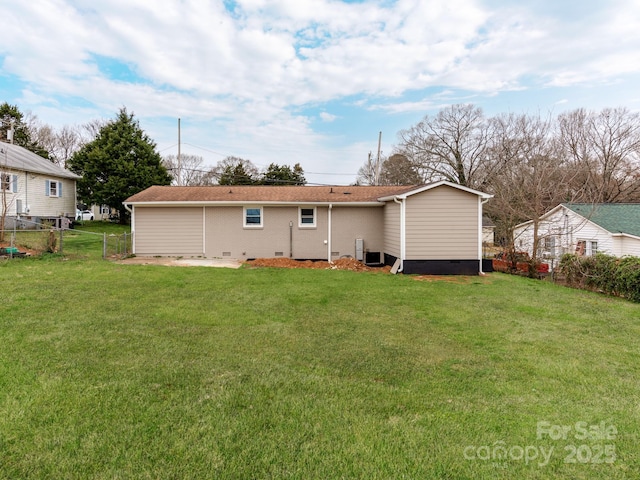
[10, 131]
[179, 182]
[378, 161]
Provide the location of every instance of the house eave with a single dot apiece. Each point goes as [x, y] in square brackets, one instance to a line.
[628, 235]
[15, 169]
[431, 186]
[236, 203]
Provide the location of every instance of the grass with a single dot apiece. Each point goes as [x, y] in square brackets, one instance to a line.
[85, 241]
[129, 371]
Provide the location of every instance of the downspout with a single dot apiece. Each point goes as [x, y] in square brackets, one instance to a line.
[329, 233]
[291, 239]
[26, 208]
[403, 237]
[481, 203]
[133, 227]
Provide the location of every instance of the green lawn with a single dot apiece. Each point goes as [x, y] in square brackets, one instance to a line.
[128, 371]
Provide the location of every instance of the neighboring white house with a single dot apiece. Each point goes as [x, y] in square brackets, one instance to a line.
[585, 229]
[488, 231]
[35, 188]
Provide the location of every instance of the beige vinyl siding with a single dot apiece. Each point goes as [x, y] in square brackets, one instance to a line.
[308, 243]
[10, 196]
[168, 231]
[350, 223]
[392, 229]
[227, 236]
[442, 224]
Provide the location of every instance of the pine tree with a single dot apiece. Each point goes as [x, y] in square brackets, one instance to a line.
[121, 161]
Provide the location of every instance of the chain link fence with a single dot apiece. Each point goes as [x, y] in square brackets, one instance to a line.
[73, 243]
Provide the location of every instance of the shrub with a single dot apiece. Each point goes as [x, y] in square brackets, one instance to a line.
[604, 273]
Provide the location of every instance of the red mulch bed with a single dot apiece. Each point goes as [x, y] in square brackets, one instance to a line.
[340, 264]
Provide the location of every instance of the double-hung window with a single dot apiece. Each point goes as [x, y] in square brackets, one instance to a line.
[252, 217]
[53, 188]
[586, 248]
[307, 217]
[9, 182]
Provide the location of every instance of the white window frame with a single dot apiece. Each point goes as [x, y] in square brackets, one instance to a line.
[8, 182]
[588, 247]
[547, 245]
[301, 224]
[252, 225]
[58, 188]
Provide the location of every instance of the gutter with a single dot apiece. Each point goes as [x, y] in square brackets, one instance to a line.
[128, 208]
[236, 203]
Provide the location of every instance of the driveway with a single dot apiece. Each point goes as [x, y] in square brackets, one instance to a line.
[183, 262]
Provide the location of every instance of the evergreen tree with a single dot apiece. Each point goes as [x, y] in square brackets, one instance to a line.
[22, 136]
[283, 175]
[235, 175]
[121, 161]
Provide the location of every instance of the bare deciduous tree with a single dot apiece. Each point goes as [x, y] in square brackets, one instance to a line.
[533, 176]
[367, 173]
[451, 146]
[191, 172]
[604, 149]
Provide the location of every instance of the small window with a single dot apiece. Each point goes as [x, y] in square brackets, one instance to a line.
[9, 182]
[53, 188]
[253, 217]
[547, 247]
[307, 217]
[586, 248]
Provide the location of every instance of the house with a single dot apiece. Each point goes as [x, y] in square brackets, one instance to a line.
[585, 229]
[488, 231]
[35, 188]
[434, 228]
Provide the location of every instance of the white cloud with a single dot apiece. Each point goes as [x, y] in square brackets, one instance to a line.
[249, 70]
[327, 117]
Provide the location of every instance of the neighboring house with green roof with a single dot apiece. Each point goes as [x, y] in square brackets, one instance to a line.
[585, 229]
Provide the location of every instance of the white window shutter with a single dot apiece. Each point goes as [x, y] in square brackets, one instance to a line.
[47, 187]
[14, 184]
[60, 189]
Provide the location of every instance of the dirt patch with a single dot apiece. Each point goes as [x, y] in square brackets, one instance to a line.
[181, 262]
[341, 264]
[459, 279]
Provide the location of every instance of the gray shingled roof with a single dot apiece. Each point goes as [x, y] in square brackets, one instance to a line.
[17, 158]
[614, 217]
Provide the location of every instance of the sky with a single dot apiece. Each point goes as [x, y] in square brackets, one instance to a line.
[311, 81]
